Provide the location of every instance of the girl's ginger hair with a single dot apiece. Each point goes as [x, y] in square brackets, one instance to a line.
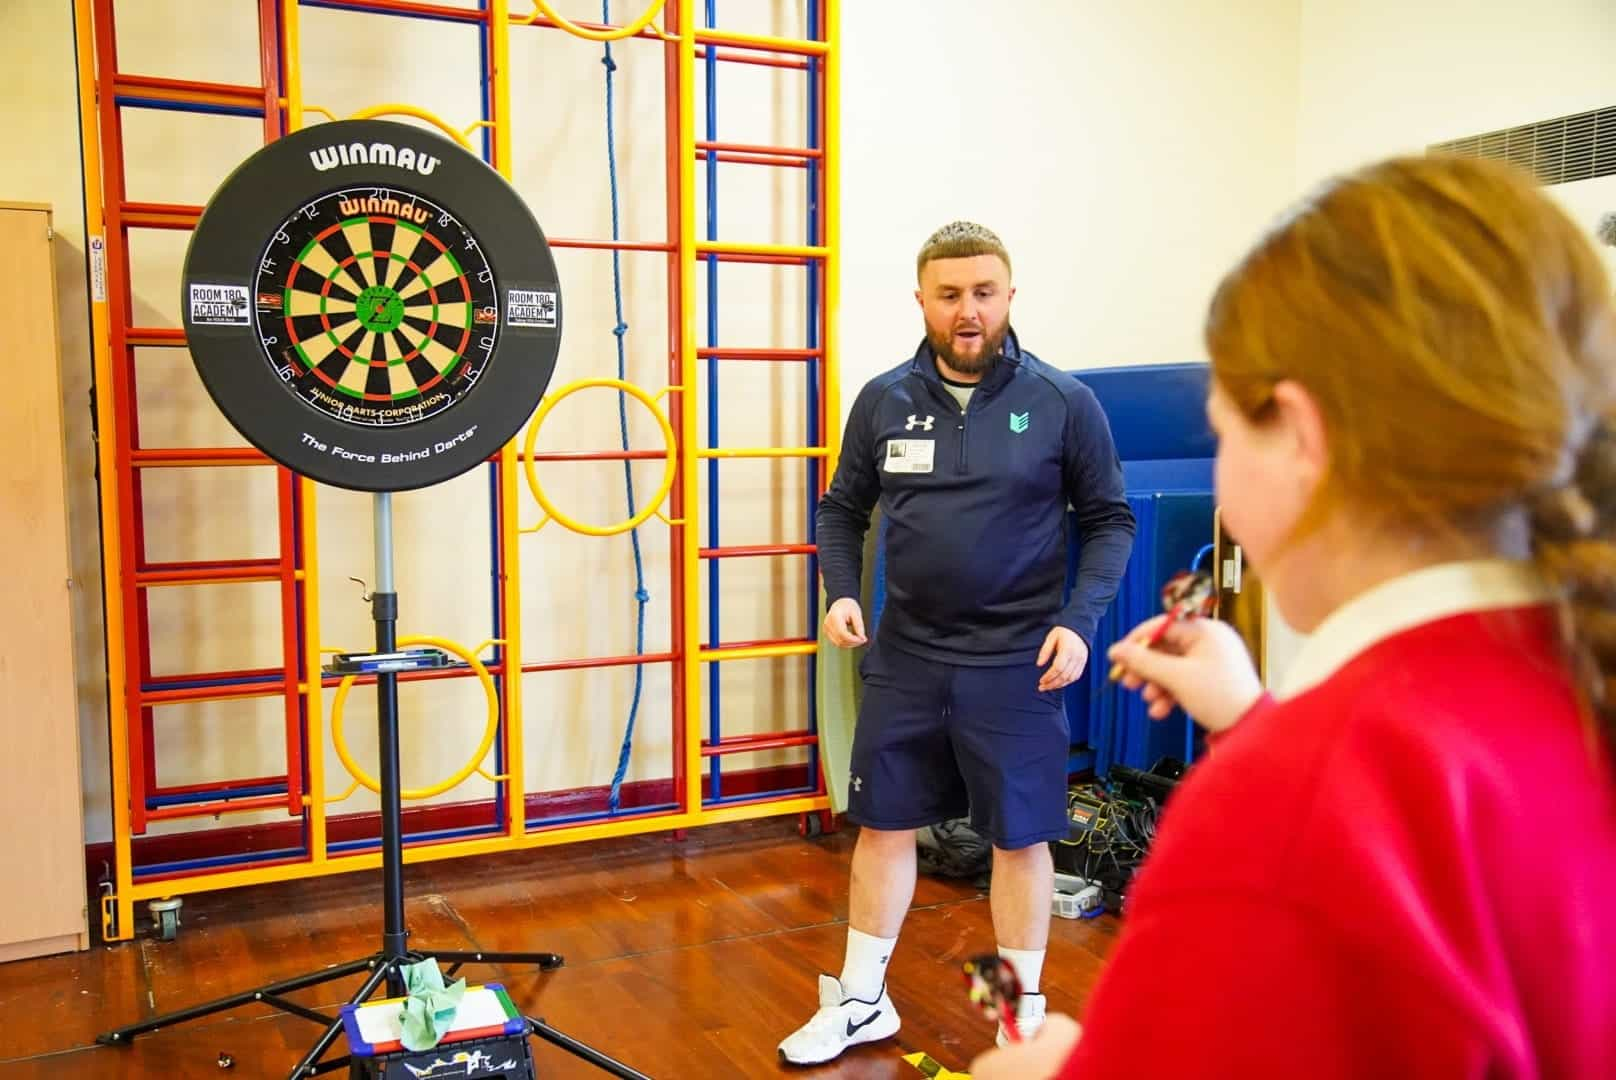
[1457, 330]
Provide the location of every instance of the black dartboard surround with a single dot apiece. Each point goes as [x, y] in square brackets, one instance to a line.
[371, 305]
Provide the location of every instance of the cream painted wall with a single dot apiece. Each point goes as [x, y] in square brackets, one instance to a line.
[1124, 152]
[1380, 77]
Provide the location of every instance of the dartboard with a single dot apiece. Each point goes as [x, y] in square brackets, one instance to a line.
[378, 305]
[371, 305]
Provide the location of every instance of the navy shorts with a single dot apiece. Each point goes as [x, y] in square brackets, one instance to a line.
[937, 741]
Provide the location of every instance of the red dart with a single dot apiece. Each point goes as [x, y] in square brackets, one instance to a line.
[995, 989]
[1187, 595]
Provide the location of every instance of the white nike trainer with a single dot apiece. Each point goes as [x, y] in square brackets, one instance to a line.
[841, 1022]
[1029, 1018]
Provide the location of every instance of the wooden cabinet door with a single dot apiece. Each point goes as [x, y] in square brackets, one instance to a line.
[42, 905]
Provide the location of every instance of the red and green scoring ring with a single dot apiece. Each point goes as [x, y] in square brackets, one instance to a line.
[378, 364]
[384, 318]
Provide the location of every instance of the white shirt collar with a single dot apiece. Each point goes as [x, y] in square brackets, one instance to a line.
[1407, 601]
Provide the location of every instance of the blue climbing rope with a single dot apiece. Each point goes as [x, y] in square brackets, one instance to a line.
[620, 330]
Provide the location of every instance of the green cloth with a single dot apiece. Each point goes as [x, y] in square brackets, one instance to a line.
[838, 688]
[430, 1009]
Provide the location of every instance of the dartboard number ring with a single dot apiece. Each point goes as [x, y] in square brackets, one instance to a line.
[372, 306]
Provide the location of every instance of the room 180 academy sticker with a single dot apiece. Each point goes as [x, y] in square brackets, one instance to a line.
[525, 307]
[367, 322]
[220, 305]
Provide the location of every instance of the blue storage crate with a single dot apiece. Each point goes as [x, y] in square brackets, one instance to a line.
[1158, 421]
[1110, 724]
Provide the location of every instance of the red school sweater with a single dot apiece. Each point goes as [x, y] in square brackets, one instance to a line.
[1408, 869]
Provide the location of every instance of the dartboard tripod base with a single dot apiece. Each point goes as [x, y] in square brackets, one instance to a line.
[386, 965]
[383, 969]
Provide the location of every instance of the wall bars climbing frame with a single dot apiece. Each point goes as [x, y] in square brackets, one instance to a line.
[314, 844]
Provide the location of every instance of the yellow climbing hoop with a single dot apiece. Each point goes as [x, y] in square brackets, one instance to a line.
[394, 108]
[542, 7]
[652, 506]
[474, 765]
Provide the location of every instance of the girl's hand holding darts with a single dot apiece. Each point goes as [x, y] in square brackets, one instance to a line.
[1198, 664]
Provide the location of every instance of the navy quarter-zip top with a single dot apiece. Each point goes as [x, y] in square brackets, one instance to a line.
[975, 501]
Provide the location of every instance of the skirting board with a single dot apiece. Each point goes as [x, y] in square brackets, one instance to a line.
[48, 946]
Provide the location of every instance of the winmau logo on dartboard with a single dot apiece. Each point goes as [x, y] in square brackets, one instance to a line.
[377, 153]
[389, 206]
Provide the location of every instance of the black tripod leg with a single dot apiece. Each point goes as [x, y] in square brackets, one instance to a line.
[307, 1066]
[543, 960]
[578, 1049]
[125, 1035]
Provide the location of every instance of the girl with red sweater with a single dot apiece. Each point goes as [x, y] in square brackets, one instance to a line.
[1401, 861]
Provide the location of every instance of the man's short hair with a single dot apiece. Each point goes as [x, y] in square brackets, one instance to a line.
[960, 240]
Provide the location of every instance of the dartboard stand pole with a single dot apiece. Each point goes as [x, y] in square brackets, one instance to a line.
[386, 965]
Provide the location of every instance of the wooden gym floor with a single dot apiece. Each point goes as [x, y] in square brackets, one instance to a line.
[687, 958]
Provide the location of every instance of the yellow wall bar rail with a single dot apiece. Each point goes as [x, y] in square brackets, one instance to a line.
[314, 694]
[762, 452]
[292, 65]
[499, 116]
[792, 251]
[759, 652]
[690, 646]
[762, 42]
[832, 265]
[117, 922]
[308, 498]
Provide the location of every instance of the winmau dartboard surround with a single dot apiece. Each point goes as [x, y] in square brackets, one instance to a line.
[371, 306]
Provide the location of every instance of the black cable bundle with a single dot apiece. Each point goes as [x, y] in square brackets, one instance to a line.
[1111, 835]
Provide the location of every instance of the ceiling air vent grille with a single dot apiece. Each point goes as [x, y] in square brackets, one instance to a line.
[1558, 151]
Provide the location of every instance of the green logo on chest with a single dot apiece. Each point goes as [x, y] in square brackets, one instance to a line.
[1018, 422]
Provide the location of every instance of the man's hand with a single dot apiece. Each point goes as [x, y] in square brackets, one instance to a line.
[1038, 1058]
[844, 623]
[1070, 655]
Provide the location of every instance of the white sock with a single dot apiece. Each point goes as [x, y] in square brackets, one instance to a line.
[1029, 964]
[865, 968]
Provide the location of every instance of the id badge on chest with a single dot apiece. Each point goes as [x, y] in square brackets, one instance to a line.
[910, 455]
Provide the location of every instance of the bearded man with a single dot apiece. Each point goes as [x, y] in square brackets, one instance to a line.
[975, 450]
